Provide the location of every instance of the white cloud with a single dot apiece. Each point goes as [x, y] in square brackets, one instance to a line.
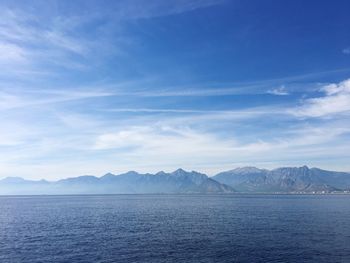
[281, 91]
[11, 53]
[335, 101]
[54, 146]
[164, 141]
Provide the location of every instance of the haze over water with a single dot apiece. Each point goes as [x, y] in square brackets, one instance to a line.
[175, 228]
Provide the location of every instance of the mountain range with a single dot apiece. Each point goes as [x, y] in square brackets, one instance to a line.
[179, 181]
[245, 179]
[285, 179]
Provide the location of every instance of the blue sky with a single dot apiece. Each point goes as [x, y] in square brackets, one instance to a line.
[90, 87]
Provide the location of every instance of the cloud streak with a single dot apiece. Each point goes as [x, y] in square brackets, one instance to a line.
[335, 101]
[33, 98]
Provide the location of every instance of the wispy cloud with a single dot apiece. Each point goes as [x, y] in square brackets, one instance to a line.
[32, 97]
[140, 9]
[59, 40]
[159, 142]
[23, 40]
[11, 53]
[43, 41]
[254, 111]
[208, 89]
[281, 91]
[335, 101]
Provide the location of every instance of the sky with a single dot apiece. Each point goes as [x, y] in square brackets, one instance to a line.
[90, 87]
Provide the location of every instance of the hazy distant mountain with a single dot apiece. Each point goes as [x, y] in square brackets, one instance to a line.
[178, 181]
[246, 179]
[285, 179]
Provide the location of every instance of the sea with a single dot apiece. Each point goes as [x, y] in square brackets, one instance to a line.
[175, 228]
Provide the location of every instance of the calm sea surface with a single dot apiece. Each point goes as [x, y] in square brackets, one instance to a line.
[175, 228]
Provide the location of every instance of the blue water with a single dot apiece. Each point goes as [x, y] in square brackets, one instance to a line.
[175, 228]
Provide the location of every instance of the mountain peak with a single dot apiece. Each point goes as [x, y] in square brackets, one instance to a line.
[179, 171]
[132, 172]
[108, 175]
